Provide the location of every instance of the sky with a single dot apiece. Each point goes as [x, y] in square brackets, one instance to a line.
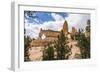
[35, 20]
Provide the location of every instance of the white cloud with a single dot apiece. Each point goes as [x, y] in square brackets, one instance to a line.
[76, 20]
[57, 17]
[33, 29]
[53, 25]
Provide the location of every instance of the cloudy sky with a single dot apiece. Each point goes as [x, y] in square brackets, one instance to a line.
[35, 20]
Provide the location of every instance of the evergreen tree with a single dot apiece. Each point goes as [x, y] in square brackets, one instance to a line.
[48, 53]
[84, 45]
[84, 42]
[27, 41]
[61, 47]
[88, 26]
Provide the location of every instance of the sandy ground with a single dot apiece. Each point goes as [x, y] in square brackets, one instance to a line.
[74, 49]
[35, 54]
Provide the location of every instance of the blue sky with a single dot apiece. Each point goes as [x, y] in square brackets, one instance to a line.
[35, 20]
[41, 16]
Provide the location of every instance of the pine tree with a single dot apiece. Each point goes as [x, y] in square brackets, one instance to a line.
[27, 41]
[48, 53]
[88, 26]
[84, 42]
[61, 47]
